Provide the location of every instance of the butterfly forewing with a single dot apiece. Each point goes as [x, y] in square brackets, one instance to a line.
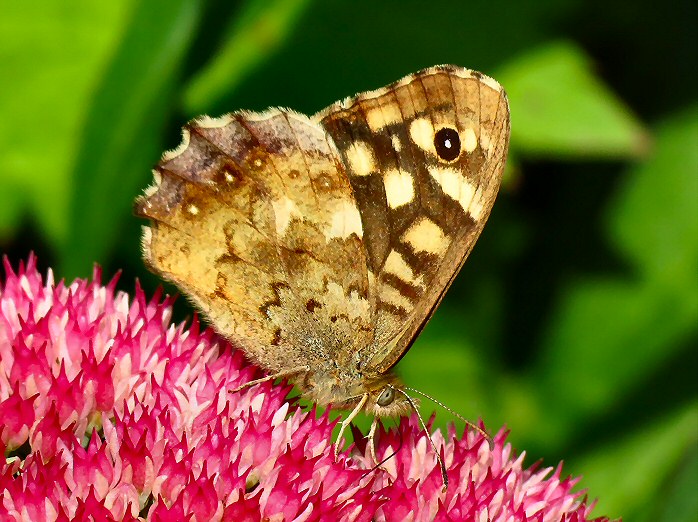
[422, 208]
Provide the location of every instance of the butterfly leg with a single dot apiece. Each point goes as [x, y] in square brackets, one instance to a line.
[273, 377]
[372, 440]
[346, 423]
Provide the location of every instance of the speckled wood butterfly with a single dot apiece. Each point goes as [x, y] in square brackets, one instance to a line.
[322, 245]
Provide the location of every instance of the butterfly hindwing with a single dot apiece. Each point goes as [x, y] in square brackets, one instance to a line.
[254, 218]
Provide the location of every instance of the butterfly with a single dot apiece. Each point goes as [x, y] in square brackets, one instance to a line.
[322, 245]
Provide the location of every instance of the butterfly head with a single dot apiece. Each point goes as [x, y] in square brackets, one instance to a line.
[388, 401]
[386, 398]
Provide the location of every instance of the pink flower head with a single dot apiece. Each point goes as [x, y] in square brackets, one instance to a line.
[109, 412]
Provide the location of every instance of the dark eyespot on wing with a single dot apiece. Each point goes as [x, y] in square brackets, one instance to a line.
[447, 143]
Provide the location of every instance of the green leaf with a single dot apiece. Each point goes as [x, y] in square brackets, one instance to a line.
[121, 137]
[655, 220]
[51, 56]
[610, 334]
[260, 30]
[681, 504]
[560, 108]
[629, 475]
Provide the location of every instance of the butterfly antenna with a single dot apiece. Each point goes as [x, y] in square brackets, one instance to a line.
[444, 476]
[452, 412]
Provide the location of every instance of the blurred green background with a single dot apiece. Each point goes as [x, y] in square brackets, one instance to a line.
[573, 323]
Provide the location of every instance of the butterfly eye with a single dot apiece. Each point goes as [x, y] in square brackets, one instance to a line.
[386, 397]
[447, 143]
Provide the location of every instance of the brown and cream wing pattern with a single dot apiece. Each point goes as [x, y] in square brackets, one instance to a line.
[308, 241]
[253, 217]
[424, 157]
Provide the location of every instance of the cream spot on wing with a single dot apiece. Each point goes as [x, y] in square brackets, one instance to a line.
[422, 134]
[426, 236]
[346, 221]
[337, 302]
[284, 211]
[361, 159]
[358, 307]
[380, 117]
[193, 209]
[469, 140]
[485, 140]
[395, 140]
[457, 187]
[454, 184]
[391, 295]
[399, 188]
[171, 154]
[396, 265]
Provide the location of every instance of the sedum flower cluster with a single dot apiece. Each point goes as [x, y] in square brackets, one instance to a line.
[110, 412]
